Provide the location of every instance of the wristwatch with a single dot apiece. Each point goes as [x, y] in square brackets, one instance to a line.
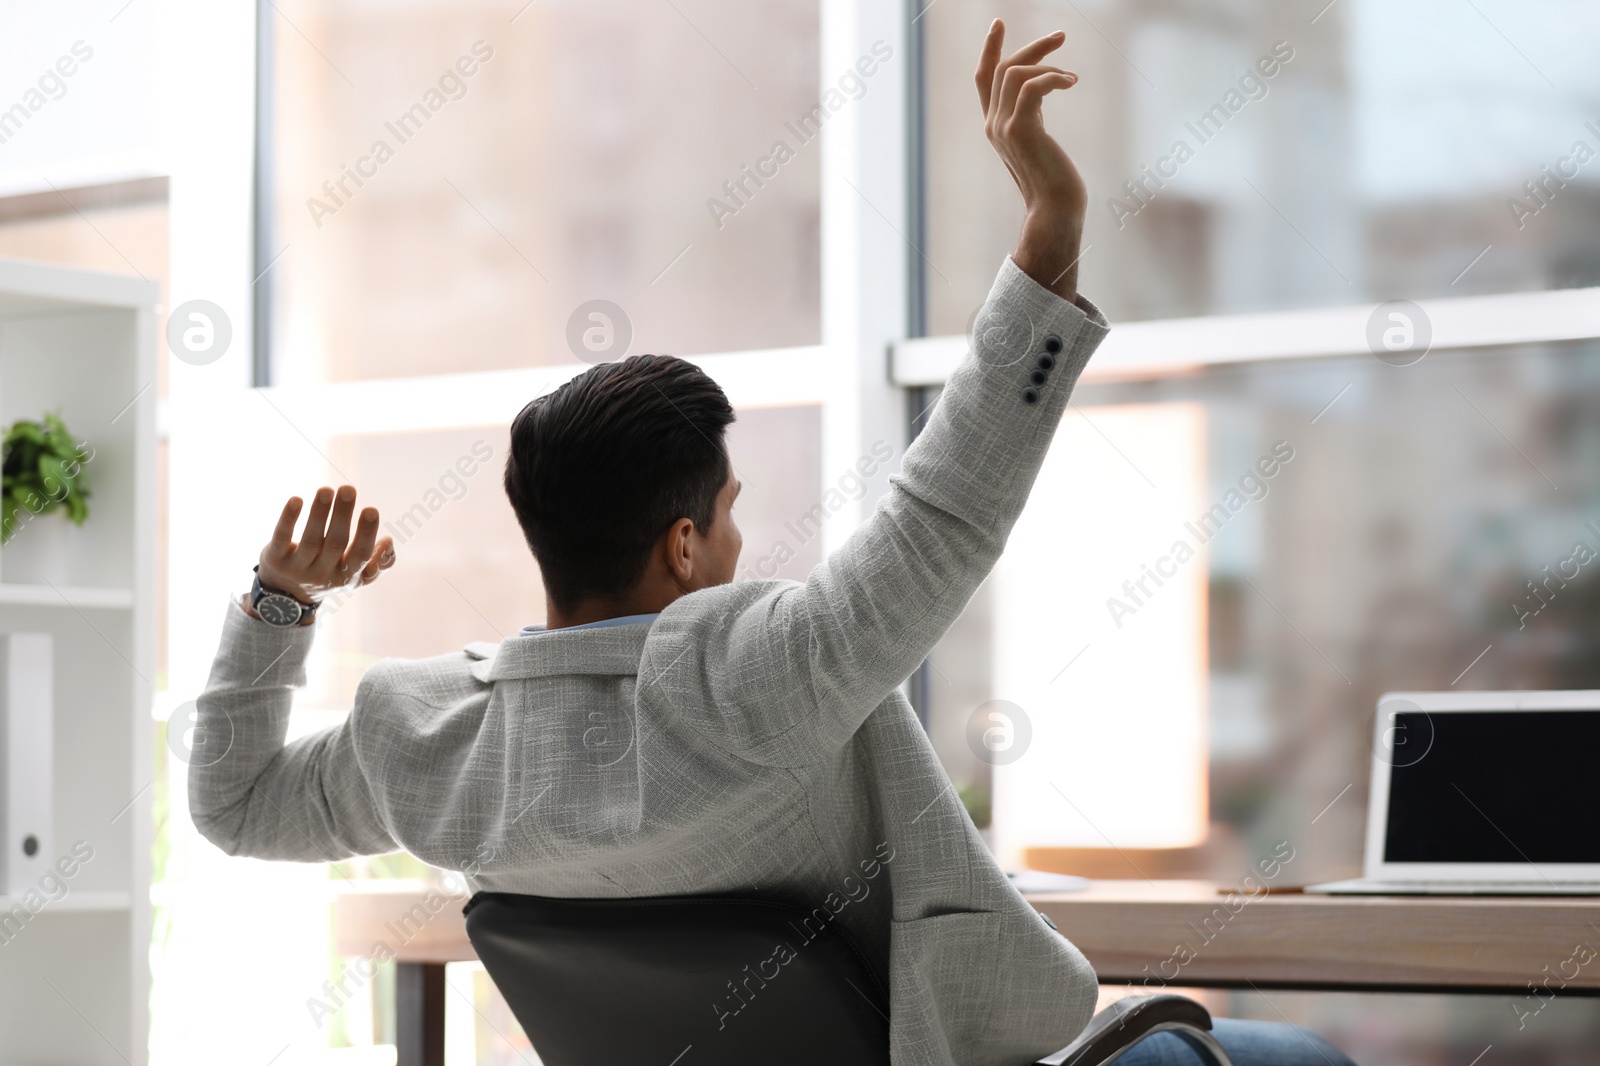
[277, 608]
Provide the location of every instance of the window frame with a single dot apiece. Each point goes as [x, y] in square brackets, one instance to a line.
[1163, 347]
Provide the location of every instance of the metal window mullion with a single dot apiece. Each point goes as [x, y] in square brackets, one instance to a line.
[866, 249]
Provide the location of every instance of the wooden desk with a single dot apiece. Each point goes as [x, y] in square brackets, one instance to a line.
[1333, 943]
[1137, 931]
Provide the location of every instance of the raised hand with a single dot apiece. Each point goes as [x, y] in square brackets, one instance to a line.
[1012, 92]
[325, 557]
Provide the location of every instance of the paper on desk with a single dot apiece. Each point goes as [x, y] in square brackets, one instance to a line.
[1027, 881]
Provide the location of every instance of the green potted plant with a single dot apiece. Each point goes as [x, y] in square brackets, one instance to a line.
[42, 472]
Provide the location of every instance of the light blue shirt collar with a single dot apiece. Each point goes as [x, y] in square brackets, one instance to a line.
[604, 623]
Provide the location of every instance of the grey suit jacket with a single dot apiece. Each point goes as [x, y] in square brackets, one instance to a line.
[752, 739]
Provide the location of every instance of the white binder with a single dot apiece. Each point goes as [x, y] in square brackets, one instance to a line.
[26, 758]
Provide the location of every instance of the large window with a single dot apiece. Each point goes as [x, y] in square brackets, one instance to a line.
[1247, 156]
[1262, 176]
[1423, 527]
[445, 184]
[1250, 164]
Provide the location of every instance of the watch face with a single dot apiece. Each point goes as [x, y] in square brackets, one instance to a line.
[278, 610]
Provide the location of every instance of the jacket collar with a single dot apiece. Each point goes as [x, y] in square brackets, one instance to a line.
[608, 651]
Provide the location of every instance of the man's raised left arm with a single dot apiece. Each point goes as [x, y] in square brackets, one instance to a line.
[249, 792]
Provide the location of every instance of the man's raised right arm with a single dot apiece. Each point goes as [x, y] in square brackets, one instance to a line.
[795, 673]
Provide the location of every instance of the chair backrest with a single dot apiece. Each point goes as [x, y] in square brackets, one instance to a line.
[737, 980]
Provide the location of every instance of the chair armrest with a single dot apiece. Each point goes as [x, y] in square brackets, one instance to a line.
[1128, 1021]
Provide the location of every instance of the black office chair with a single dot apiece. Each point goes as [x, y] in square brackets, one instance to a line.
[619, 982]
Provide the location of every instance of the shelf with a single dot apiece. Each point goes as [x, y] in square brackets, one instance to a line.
[65, 596]
[85, 344]
[35, 288]
[75, 902]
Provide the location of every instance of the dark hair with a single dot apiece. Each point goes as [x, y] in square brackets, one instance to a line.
[605, 464]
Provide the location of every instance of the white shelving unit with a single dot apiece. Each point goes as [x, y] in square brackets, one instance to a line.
[74, 974]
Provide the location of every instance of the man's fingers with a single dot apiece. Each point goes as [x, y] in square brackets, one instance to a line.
[1012, 83]
[344, 505]
[382, 558]
[1027, 55]
[366, 536]
[316, 521]
[283, 533]
[988, 59]
[1035, 89]
[1036, 50]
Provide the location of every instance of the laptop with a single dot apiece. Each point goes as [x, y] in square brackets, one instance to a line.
[1483, 793]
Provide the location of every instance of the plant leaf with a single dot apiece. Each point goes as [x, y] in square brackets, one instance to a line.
[58, 484]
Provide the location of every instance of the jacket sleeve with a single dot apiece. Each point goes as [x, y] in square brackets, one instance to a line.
[796, 670]
[250, 793]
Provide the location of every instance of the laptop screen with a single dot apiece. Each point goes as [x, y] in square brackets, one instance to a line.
[1495, 787]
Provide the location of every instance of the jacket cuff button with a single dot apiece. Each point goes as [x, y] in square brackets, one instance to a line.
[1047, 361]
[1052, 344]
[1037, 377]
[1030, 395]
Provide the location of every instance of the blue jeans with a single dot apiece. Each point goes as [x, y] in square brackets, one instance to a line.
[1247, 1043]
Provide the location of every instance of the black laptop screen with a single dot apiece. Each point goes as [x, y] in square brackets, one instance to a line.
[1495, 786]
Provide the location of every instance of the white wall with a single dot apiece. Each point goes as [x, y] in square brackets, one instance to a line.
[98, 124]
